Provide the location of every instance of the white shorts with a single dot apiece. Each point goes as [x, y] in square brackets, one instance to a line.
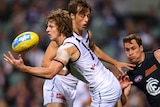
[53, 91]
[102, 100]
[107, 96]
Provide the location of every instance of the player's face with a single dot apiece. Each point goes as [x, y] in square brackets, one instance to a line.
[133, 51]
[81, 20]
[52, 30]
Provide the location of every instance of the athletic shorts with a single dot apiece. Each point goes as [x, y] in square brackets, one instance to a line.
[107, 96]
[53, 91]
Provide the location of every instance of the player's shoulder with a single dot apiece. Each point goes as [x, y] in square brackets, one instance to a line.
[71, 40]
[152, 53]
[157, 52]
[53, 44]
[149, 54]
[89, 32]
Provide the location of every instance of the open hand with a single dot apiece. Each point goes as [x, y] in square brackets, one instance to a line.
[121, 65]
[17, 63]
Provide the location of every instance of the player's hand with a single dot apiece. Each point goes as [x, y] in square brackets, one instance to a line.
[121, 65]
[124, 80]
[17, 63]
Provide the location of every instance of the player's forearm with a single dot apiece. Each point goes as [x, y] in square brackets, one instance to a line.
[125, 95]
[103, 56]
[39, 71]
[124, 98]
[45, 63]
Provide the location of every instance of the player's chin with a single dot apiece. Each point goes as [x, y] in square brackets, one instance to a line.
[52, 39]
[84, 27]
[132, 61]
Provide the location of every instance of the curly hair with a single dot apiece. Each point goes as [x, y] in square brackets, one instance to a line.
[62, 20]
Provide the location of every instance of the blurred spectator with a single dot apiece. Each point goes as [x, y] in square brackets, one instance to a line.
[34, 57]
[152, 19]
[4, 44]
[5, 11]
[146, 36]
[97, 25]
[109, 13]
[111, 46]
[3, 103]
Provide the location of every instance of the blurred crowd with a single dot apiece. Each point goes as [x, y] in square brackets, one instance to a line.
[110, 22]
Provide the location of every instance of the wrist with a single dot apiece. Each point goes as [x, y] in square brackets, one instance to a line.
[25, 68]
[115, 62]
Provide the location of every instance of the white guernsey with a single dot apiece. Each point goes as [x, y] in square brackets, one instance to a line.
[104, 87]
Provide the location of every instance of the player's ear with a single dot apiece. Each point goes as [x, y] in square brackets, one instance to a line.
[141, 47]
[72, 16]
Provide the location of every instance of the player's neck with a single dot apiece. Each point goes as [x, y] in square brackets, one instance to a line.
[77, 31]
[60, 40]
[142, 57]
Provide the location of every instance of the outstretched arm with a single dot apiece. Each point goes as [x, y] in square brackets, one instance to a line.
[48, 72]
[126, 87]
[56, 65]
[106, 58]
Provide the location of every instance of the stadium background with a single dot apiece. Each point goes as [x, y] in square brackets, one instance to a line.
[111, 20]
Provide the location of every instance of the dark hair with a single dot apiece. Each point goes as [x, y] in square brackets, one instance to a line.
[78, 6]
[62, 20]
[133, 37]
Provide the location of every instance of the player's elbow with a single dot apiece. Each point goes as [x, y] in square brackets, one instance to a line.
[49, 76]
[46, 62]
[42, 64]
[53, 71]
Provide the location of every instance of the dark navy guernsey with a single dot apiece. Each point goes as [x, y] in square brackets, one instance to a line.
[146, 76]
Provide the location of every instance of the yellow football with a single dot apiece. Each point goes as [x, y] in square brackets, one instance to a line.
[25, 42]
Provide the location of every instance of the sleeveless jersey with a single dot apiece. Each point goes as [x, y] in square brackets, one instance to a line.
[70, 80]
[83, 38]
[99, 78]
[146, 76]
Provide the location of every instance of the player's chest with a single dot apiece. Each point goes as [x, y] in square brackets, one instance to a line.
[146, 77]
